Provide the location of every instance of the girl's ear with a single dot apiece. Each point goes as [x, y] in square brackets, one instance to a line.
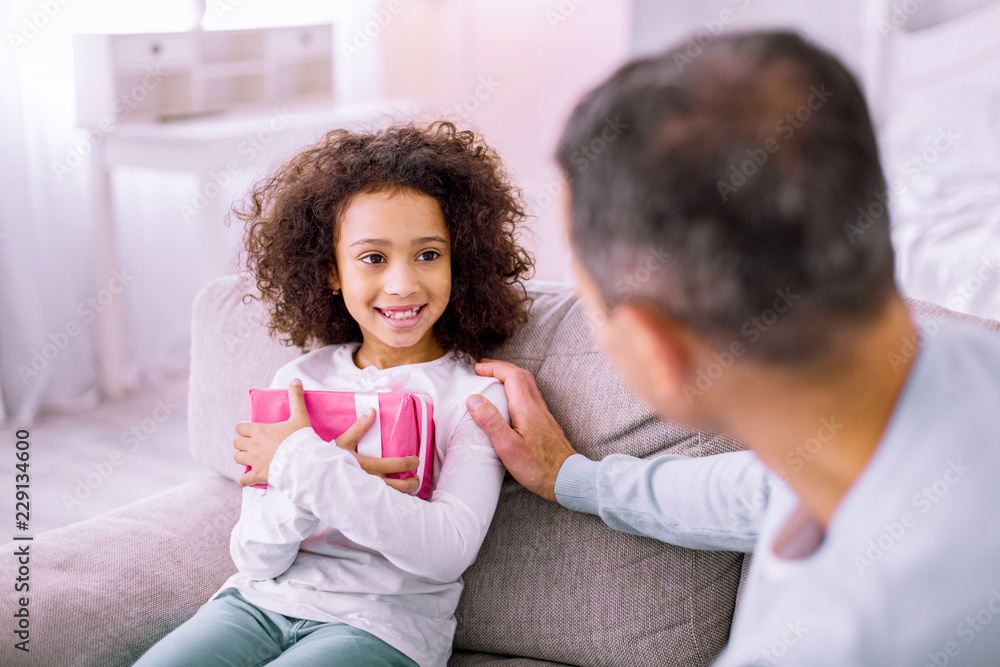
[334, 282]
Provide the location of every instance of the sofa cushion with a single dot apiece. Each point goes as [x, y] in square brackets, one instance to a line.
[102, 591]
[231, 352]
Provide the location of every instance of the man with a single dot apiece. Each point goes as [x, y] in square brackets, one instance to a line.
[874, 441]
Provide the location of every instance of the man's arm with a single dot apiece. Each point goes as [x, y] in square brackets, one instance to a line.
[713, 502]
[710, 502]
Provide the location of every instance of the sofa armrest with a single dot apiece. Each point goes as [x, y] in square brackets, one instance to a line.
[102, 591]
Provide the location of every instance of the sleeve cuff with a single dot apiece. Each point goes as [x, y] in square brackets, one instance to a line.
[576, 484]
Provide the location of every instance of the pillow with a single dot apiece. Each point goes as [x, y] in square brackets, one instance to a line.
[554, 584]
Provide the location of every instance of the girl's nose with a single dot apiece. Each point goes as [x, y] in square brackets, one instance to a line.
[401, 281]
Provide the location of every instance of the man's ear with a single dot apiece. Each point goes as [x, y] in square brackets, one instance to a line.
[659, 343]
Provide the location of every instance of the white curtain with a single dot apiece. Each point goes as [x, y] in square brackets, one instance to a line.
[45, 247]
[11, 207]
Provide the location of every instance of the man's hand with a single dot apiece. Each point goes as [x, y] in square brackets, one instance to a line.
[374, 465]
[535, 448]
[257, 442]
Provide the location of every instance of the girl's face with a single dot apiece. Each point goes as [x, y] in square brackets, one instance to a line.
[394, 272]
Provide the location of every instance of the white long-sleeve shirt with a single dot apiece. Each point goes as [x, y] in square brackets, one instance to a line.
[908, 573]
[326, 541]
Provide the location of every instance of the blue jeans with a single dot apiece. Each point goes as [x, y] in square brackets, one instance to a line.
[229, 630]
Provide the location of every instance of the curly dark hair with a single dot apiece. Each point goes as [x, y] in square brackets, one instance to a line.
[292, 215]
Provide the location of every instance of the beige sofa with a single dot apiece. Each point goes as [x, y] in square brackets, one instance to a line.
[550, 586]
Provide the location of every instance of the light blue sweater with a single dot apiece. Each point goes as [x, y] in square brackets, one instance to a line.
[909, 570]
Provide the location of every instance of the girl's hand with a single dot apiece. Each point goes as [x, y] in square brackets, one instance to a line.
[377, 466]
[258, 441]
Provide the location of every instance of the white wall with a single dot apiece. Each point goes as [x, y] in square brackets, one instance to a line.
[513, 70]
[543, 61]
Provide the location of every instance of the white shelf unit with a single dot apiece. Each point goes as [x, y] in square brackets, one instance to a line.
[174, 76]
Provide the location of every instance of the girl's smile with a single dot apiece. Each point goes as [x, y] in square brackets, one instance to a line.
[393, 267]
[402, 317]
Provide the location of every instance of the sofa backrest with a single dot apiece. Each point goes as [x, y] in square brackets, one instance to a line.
[231, 352]
[557, 585]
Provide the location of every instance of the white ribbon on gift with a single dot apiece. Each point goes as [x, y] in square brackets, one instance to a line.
[367, 386]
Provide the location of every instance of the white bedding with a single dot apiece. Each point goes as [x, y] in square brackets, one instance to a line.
[941, 149]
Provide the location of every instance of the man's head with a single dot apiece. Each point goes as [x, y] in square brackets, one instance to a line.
[706, 191]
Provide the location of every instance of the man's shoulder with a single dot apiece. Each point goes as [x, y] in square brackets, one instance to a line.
[958, 338]
[954, 362]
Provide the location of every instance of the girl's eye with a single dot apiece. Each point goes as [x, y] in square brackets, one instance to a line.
[373, 259]
[429, 255]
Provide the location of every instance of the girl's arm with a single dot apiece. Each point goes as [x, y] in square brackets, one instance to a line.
[436, 539]
[266, 539]
[267, 536]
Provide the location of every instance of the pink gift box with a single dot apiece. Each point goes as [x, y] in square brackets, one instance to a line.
[405, 421]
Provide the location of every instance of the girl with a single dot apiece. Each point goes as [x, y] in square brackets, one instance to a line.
[396, 250]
